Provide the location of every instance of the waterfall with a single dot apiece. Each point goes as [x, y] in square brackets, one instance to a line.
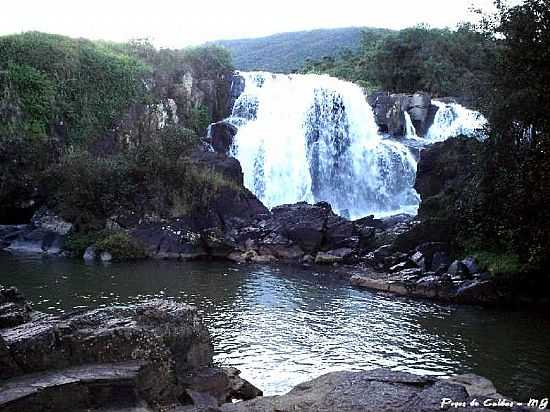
[313, 137]
[410, 131]
[452, 119]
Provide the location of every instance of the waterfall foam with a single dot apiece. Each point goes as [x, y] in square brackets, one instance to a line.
[314, 137]
[452, 119]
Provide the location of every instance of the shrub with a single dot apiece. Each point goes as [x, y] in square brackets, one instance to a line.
[499, 263]
[121, 246]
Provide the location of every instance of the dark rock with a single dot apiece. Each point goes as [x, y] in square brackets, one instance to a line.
[339, 231]
[389, 112]
[221, 136]
[220, 163]
[154, 353]
[333, 256]
[303, 223]
[407, 264]
[440, 261]
[422, 112]
[376, 390]
[458, 268]
[478, 292]
[14, 309]
[471, 264]
[46, 220]
[382, 252]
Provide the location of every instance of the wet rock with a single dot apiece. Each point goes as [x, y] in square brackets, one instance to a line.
[333, 256]
[46, 220]
[458, 269]
[478, 292]
[90, 254]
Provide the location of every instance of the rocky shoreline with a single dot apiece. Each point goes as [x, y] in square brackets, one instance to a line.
[157, 356]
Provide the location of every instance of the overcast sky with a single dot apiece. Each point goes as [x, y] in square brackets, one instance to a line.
[180, 23]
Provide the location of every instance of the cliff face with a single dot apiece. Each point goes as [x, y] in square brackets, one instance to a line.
[389, 112]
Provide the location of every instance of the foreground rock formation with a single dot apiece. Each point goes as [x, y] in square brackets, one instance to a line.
[156, 354]
[379, 390]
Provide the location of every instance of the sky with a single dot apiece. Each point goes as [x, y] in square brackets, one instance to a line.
[175, 24]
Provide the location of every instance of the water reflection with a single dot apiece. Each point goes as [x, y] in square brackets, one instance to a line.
[281, 326]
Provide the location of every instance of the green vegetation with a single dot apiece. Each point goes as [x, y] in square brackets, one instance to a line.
[287, 52]
[154, 177]
[506, 206]
[121, 246]
[81, 130]
[499, 264]
[118, 243]
[501, 208]
[440, 61]
[55, 79]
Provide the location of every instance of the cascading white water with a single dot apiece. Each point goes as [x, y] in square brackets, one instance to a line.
[313, 137]
[410, 131]
[452, 119]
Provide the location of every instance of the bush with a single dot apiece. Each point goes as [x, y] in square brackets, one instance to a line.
[499, 263]
[121, 246]
[81, 84]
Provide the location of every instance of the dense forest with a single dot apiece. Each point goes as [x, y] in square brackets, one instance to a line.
[499, 66]
[287, 52]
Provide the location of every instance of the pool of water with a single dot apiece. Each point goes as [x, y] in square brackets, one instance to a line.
[283, 325]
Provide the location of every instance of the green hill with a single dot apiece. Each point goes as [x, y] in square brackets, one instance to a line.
[287, 52]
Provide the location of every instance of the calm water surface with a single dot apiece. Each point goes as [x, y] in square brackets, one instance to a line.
[282, 326]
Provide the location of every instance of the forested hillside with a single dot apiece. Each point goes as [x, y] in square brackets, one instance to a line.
[443, 62]
[287, 52]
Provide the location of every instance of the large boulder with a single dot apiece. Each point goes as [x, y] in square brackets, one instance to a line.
[156, 354]
[221, 136]
[302, 223]
[377, 390]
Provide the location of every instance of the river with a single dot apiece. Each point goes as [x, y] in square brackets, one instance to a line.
[283, 325]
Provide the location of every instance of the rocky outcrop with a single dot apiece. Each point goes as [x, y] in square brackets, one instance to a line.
[156, 353]
[379, 390]
[221, 135]
[45, 234]
[310, 233]
[389, 112]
